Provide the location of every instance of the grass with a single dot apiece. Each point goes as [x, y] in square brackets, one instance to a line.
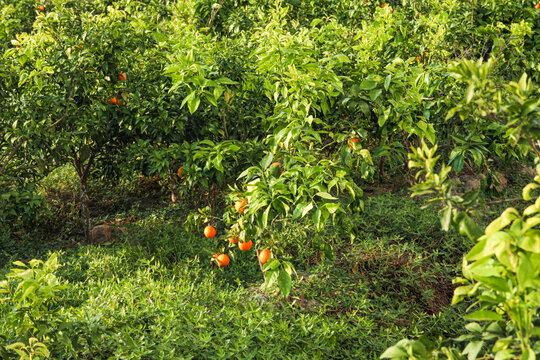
[154, 294]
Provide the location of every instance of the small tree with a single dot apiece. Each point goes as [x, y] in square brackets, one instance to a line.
[71, 90]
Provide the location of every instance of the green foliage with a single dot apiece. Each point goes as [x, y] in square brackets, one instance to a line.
[29, 301]
[296, 107]
[502, 269]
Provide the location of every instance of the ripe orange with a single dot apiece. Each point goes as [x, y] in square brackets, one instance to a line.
[264, 256]
[41, 8]
[245, 246]
[121, 77]
[222, 259]
[351, 140]
[537, 6]
[114, 100]
[180, 172]
[209, 231]
[233, 240]
[384, 5]
[240, 205]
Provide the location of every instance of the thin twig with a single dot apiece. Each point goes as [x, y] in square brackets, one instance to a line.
[214, 13]
[503, 201]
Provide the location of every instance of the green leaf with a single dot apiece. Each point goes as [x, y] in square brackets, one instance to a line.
[226, 81]
[472, 349]
[298, 210]
[332, 207]
[30, 286]
[531, 241]
[343, 58]
[271, 277]
[446, 218]
[488, 246]
[316, 218]
[458, 163]
[469, 93]
[387, 81]
[265, 216]
[483, 315]
[529, 106]
[284, 283]
[502, 221]
[289, 267]
[325, 195]
[193, 103]
[529, 354]
[374, 94]
[460, 293]
[272, 264]
[267, 160]
[307, 209]
[190, 96]
[22, 78]
[495, 283]
[394, 352]
[368, 85]
[211, 99]
[467, 226]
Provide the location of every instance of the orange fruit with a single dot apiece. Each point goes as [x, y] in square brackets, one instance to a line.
[264, 256]
[114, 100]
[384, 5]
[209, 231]
[222, 259]
[277, 163]
[351, 140]
[121, 77]
[180, 172]
[240, 205]
[41, 8]
[245, 246]
[233, 240]
[537, 6]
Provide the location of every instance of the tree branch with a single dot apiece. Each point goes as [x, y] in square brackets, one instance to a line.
[15, 149]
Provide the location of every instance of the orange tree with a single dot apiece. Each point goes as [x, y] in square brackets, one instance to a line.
[308, 183]
[186, 121]
[501, 272]
[66, 92]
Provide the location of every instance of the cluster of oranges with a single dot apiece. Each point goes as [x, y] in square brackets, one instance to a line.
[114, 100]
[223, 259]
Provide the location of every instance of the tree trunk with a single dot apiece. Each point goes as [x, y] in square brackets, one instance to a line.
[174, 186]
[381, 169]
[84, 210]
[83, 170]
